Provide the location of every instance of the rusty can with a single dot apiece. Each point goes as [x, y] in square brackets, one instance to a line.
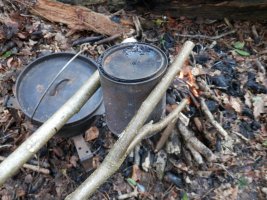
[128, 73]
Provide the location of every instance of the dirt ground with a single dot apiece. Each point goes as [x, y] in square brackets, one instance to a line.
[233, 65]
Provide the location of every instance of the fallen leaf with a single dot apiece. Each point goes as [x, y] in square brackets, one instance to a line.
[58, 152]
[96, 162]
[239, 45]
[7, 54]
[248, 100]
[91, 134]
[73, 160]
[236, 104]
[31, 42]
[131, 182]
[242, 52]
[136, 173]
[258, 105]
[185, 197]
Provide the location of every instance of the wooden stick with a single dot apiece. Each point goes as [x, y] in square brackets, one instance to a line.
[31, 167]
[208, 114]
[196, 144]
[116, 156]
[165, 135]
[207, 37]
[40, 137]
[196, 155]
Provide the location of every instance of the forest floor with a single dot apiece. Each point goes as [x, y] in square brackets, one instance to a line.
[231, 65]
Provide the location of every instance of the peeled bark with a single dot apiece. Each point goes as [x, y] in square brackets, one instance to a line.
[77, 17]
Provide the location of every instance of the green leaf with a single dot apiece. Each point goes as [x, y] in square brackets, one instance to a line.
[185, 197]
[7, 54]
[242, 52]
[242, 182]
[239, 45]
[131, 181]
[159, 22]
[264, 143]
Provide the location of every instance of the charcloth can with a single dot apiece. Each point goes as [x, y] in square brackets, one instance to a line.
[128, 73]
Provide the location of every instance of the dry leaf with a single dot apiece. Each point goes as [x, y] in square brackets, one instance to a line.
[91, 134]
[258, 105]
[96, 162]
[236, 104]
[225, 192]
[73, 160]
[248, 100]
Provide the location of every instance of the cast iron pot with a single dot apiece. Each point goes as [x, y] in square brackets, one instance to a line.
[35, 78]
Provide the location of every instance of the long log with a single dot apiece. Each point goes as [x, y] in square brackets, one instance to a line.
[77, 17]
[212, 9]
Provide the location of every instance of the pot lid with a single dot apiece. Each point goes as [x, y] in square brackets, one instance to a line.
[37, 76]
[133, 62]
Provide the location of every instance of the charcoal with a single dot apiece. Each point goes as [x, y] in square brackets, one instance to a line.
[229, 117]
[197, 48]
[202, 59]
[227, 84]
[255, 125]
[248, 112]
[253, 86]
[169, 41]
[220, 81]
[220, 50]
[212, 105]
[174, 179]
[246, 129]
[170, 99]
[226, 66]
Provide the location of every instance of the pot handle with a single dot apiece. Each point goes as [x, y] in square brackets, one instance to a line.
[60, 84]
[11, 102]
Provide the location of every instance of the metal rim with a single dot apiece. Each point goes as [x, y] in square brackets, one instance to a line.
[155, 75]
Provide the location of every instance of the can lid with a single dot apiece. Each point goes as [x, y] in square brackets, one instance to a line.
[133, 62]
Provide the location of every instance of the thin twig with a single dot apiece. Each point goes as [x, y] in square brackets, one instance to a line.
[5, 146]
[196, 155]
[31, 167]
[205, 36]
[241, 136]
[108, 39]
[165, 135]
[138, 27]
[224, 168]
[260, 66]
[208, 114]
[129, 195]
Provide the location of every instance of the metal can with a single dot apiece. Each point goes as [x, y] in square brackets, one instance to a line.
[128, 73]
